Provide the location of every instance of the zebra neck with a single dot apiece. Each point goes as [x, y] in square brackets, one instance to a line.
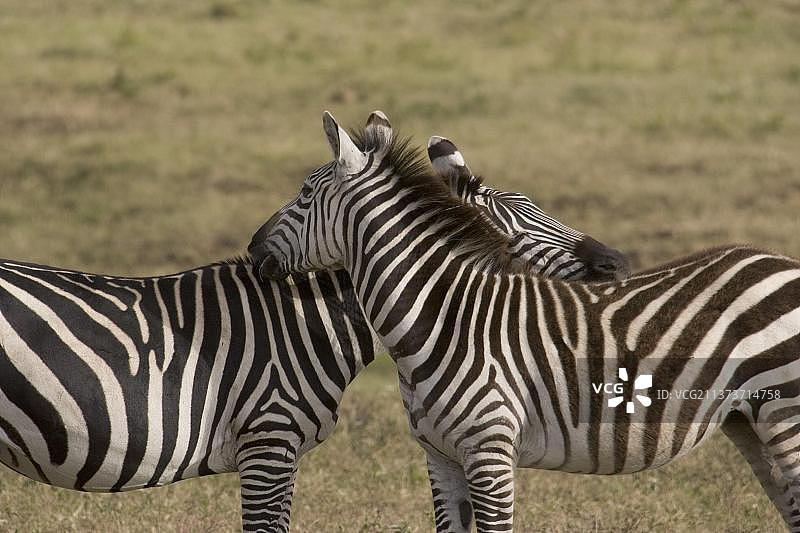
[329, 319]
[408, 249]
[405, 305]
[315, 317]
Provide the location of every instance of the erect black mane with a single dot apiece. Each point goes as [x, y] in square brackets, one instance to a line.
[471, 183]
[466, 227]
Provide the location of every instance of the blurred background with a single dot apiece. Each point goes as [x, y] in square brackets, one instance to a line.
[147, 137]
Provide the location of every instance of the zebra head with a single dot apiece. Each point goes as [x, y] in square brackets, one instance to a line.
[547, 245]
[307, 233]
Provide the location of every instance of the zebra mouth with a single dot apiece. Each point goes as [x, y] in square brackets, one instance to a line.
[608, 272]
[602, 263]
[600, 275]
[270, 267]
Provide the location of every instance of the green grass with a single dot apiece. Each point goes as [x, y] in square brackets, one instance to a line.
[142, 137]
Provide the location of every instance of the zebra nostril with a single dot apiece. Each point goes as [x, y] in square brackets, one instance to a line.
[608, 268]
[613, 263]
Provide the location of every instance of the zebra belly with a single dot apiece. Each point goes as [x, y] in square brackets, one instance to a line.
[37, 465]
[600, 450]
[14, 458]
[28, 455]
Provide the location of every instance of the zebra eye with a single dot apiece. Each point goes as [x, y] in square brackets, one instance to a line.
[306, 190]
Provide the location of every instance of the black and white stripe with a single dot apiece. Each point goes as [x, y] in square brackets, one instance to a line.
[113, 384]
[558, 250]
[498, 366]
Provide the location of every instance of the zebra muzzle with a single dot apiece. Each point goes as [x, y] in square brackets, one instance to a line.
[270, 268]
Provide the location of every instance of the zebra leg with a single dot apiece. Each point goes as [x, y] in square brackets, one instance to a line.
[765, 467]
[452, 508]
[490, 476]
[267, 476]
[783, 450]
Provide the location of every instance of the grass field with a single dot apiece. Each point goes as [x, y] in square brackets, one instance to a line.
[143, 137]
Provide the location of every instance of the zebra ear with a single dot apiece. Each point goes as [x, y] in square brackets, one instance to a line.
[379, 126]
[446, 159]
[346, 153]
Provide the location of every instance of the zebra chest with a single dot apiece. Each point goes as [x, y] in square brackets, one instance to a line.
[454, 422]
[300, 413]
[421, 420]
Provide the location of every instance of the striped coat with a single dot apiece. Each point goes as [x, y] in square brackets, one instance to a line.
[501, 368]
[112, 384]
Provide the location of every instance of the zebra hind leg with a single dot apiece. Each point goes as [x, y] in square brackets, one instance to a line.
[783, 449]
[267, 477]
[765, 466]
[452, 508]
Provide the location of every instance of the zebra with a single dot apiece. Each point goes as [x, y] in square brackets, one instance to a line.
[113, 384]
[501, 368]
[547, 242]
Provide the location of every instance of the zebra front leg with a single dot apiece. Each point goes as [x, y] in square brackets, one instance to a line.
[267, 476]
[490, 476]
[739, 430]
[452, 508]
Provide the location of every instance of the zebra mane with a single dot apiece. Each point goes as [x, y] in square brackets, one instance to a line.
[466, 227]
[471, 184]
[242, 259]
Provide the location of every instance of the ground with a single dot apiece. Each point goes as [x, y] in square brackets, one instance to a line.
[146, 137]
